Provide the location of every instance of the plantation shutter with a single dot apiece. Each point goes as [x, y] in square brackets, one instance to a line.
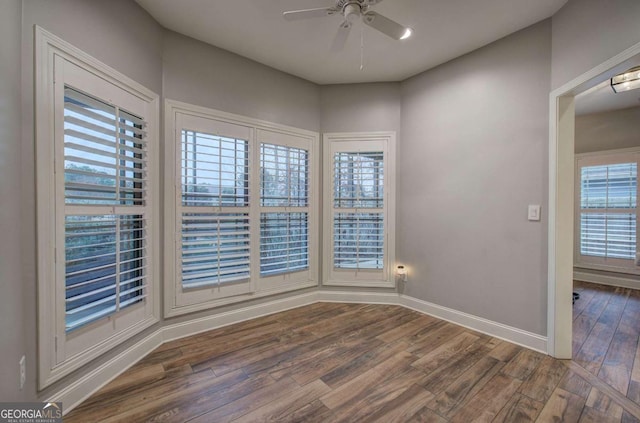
[284, 201]
[608, 197]
[358, 210]
[215, 229]
[105, 191]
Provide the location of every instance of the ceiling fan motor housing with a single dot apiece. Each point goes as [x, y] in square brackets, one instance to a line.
[352, 11]
[364, 4]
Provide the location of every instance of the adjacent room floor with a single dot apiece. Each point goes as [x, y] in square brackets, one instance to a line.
[606, 328]
[331, 362]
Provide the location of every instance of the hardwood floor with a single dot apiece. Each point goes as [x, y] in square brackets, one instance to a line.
[606, 329]
[331, 362]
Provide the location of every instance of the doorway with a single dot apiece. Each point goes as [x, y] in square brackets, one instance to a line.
[561, 197]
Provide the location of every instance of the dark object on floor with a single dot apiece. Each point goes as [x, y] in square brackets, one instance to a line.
[576, 296]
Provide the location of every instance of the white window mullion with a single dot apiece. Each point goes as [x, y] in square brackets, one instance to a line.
[118, 160]
[219, 174]
[288, 239]
[118, 264]
[357, 243]
[118, 198]
[219, 244]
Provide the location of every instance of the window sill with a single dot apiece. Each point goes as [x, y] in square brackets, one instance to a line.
[361, 283]
[172, 310]
[63, 369]
[608, 268]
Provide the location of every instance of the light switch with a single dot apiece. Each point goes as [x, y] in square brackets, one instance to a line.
[534, 212]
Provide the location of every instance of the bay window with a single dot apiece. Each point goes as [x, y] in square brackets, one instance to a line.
[239, 223]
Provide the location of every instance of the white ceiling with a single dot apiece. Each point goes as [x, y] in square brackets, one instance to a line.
[601, 98]
[443, 30]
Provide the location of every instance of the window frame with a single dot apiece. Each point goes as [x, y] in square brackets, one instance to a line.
[175, 302]
[602, 158]
[384, 141]
[289, 280]
[60, 353]
[187, 296]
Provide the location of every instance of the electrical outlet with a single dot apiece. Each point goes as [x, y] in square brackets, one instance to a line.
[23, 371]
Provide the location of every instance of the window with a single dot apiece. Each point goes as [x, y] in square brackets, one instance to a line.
[359, 213]
[96, 159]
[242, 215]
[215, 176]
[105, 253]
[358, 184]
[284, 200]
[606, 210]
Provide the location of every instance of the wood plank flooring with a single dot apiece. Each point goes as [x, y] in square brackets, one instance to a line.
[606, 330]
[331, 362]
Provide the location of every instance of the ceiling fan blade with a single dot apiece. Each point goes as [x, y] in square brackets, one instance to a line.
[340, 39]
[293, 15]
[387, 26]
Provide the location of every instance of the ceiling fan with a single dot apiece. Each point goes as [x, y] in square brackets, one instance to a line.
[351, 10]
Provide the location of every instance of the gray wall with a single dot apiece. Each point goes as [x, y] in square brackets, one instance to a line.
[608, 130]
[198, 73]
[12, 327]
[473, 156]
[360, 107]
[588, 32]
[125, 37]
[472, 146]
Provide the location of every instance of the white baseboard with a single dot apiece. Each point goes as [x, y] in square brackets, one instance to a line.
[606, 279]
[72, 395]
[203, 324]
[498, 330]
[358, 297]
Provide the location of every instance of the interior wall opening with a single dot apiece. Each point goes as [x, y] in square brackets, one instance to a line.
[562, 200]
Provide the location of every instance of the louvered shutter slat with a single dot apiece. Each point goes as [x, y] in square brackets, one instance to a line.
[215, 248]
[214, 170]
[284, 242]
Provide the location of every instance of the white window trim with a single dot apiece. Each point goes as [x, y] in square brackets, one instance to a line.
[386, 277]
[47, 47]
[594, 158]
[260, 287]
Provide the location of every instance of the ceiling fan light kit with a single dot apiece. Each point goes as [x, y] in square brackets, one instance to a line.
[351, 10]
[629, 80]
